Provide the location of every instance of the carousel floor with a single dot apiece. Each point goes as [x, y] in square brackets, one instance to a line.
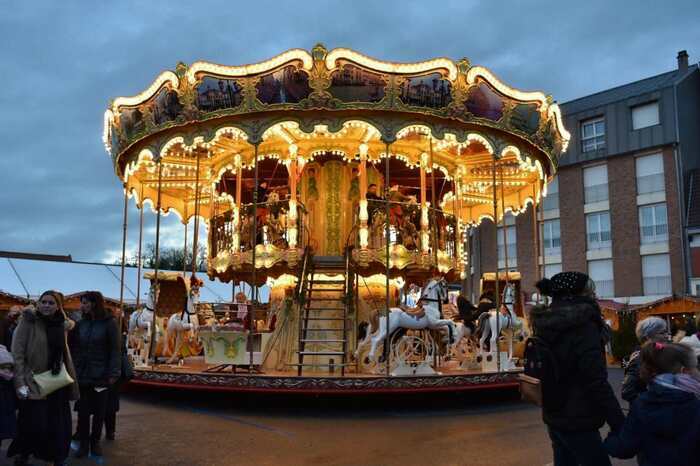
[198, 376]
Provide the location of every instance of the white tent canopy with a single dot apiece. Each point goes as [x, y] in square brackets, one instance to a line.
[32, 277]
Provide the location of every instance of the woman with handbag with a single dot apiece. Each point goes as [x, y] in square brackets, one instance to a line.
[97, 364]
[45, 382]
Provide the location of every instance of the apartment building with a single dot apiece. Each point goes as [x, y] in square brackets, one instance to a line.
[625, 204]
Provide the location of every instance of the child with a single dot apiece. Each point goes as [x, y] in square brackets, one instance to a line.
[8, 415]
[663, 427]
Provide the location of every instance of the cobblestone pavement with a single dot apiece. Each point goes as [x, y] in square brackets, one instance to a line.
[176, 428]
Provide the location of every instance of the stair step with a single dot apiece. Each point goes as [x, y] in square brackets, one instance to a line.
[325, 318]
[325, 308]
[328, 290]
[322, 329]
[337, 364]
[321, 353]
[328, 282]
[322, 341]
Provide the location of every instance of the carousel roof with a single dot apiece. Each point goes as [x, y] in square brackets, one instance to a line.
[205, 120]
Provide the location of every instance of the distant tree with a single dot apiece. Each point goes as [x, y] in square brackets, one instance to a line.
[624, 339]
[170, 258]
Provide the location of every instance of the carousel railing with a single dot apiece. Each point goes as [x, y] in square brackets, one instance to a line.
[274, 228]
[440, 238]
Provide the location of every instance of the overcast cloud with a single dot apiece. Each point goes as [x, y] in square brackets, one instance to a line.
[63, 61]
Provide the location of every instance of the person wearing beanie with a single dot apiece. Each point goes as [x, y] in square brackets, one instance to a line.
[578, 401]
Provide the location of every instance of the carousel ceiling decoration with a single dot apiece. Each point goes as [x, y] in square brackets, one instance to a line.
[333, 101]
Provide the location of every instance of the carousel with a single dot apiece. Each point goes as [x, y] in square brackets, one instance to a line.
[348, 187]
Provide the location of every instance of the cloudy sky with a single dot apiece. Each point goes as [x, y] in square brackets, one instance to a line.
[64, 61]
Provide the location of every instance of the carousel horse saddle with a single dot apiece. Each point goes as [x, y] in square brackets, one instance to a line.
[416, 312]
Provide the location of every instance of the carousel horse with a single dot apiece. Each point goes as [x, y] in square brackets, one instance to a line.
[140, 323]
[509, 322]
[432, 296]
[183, 326]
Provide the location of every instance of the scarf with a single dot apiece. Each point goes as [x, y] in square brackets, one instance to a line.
[55, 336]
[682, 382]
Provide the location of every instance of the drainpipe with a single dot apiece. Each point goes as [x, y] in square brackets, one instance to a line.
[678, 161]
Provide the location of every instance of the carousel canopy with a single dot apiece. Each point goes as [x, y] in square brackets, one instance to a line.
[195, 127]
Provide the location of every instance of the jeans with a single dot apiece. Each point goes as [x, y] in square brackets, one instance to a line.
[578, 448]
[91, 403]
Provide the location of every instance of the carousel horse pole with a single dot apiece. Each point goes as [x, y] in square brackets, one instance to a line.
[187, 320]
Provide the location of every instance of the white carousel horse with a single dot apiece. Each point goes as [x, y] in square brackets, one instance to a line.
[140, 323]
[509, 322]
[434, 293]
[180, 323]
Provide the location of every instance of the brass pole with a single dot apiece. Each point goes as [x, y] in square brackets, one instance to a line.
[124, 230]
[121, 280]
[156, 265]
[139, 262]
[251, 315]
[497, 294]
[184, 249]
[433, 197]
[505, 226]
[195, 239]
[536, 235]
[387, 231]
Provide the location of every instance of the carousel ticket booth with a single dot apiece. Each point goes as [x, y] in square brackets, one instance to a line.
[339, 181]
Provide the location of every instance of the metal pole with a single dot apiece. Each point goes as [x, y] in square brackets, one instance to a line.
[387, 231]
[121, 279]
[540, 234]
[251, 315]
[195, 239]
[139, 260]
[497, 297]
[156, 266]
[434, 203]
[505, 226]
[184, 249]
[536, 235]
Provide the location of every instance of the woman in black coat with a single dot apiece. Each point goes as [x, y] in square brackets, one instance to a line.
[97, 367]
[578, 400]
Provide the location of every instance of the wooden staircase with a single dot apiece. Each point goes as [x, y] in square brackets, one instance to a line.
[324, 328]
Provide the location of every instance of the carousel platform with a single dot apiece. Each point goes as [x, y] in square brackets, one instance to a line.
[196, 377]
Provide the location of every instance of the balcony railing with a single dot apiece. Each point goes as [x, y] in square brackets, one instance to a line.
[657, 285]
[596, 193]
[651, 183]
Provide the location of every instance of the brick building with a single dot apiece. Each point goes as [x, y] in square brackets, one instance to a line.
[625, 204]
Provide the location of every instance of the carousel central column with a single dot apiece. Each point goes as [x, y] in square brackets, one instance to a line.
[424, 222]
[363, 213]
[292, 231]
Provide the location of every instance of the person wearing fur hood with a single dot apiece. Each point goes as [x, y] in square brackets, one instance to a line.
[8, 404]
[40, 344]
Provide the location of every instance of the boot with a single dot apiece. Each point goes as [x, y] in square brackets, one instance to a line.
[95, 448]
[82, 451]
[109, 435]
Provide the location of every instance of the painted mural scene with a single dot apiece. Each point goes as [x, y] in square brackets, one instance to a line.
[326, 224]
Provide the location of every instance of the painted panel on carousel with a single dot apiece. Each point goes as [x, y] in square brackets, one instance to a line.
[217, 94]
[526, 118]
[354, 84]
[484, 102]
[426, 91]
[131, 122]
[287, 85]
[166, 106]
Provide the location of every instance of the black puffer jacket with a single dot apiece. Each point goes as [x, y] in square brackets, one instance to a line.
[583, 399]
[96, 357]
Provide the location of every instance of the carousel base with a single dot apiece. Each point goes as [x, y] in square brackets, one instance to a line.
[195, 376]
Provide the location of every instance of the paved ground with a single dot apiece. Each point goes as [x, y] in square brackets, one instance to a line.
[174, 428]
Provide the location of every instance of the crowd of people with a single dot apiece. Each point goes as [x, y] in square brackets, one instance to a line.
[662, 384]
[49, 359]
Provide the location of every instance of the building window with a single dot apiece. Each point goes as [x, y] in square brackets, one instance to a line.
[551, 202]
[598, 230]
[592, 135]
[551, 238]
[551, 270]
[601, 272]
[511, 244]
[653, 223]
[656, 270]
[595, 184]
[645, 115]
[650, 174]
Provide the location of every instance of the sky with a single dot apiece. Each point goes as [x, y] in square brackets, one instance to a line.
[64, 61]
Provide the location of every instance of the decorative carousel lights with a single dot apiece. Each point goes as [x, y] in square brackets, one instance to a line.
[336, 179]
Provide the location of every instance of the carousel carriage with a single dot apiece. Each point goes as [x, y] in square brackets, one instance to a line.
[337, 180]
